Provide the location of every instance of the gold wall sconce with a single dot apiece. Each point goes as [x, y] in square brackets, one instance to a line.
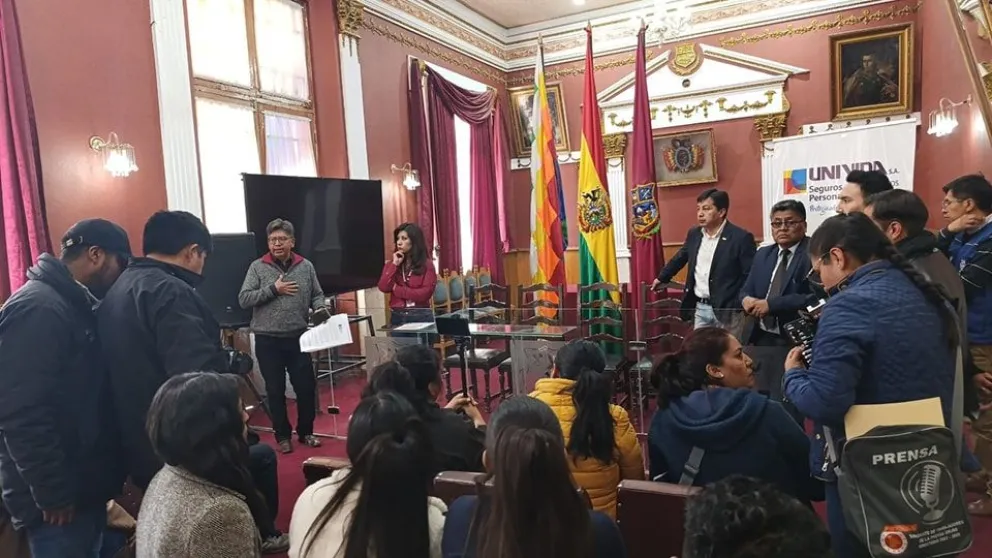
[944, 119]
[118, 158]
[411, 178]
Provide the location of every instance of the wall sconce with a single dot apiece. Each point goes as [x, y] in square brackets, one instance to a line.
[118, 158]
[411, 178]
[944, 119]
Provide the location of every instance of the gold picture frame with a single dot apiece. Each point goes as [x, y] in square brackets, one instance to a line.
[871, 72]
[685, 158]
[521, 106]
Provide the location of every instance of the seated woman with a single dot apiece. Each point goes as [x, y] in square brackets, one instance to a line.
[202, 503]
[705, 401]
[456, 431]
[379, 506]
[601, 442]
[532, 509]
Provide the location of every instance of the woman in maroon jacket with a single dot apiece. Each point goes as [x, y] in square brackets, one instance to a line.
[409, 276]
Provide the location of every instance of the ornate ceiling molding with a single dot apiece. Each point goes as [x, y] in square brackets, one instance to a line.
[455, 26]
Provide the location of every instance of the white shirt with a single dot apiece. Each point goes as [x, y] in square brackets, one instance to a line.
[778, 261]
[704, 261]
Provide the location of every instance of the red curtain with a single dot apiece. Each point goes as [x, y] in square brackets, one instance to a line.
[447, 100]
[25, 234]
[420, 156]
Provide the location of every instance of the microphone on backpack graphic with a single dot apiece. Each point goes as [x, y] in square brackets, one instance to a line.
[930, 491]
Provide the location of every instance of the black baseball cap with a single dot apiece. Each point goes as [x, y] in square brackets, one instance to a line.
[100, 233]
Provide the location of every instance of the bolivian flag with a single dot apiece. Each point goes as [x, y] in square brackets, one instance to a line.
[597, 251]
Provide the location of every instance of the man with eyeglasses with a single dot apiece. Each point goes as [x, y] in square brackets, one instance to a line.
[282, 290]
[777, 287]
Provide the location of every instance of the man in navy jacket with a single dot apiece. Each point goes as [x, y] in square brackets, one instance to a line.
[719, 256]
[777, 287]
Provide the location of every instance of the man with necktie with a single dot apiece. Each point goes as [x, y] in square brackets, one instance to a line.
[777, 287]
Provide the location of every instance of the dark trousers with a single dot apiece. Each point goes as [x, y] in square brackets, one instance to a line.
[80, 539]
[277, 356]
[844, 544]
[262, 464]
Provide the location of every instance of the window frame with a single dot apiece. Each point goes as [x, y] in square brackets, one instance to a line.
[253, 96]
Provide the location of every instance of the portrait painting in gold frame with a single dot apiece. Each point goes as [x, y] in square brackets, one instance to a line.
[872, 72]
[521, 107]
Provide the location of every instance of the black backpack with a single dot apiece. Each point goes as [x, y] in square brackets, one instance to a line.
[902, 493]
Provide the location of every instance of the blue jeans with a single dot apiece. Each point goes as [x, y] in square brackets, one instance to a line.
[80, 539]
[969, 462]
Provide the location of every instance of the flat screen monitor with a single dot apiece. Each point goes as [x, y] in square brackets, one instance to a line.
[338, 225]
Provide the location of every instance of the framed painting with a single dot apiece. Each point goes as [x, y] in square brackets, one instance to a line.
[522, 128]
[872, 72]
[685, 158]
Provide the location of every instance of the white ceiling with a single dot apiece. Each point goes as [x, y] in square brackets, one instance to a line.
[516, 13]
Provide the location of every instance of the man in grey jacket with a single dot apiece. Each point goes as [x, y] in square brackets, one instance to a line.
[282, 289]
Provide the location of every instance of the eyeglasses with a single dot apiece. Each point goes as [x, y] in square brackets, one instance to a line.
[813, 277]
[278, 240]
[786, 224]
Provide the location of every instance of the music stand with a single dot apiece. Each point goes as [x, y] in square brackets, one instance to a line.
[456, 327]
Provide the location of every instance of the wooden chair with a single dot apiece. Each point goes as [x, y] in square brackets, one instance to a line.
[528, 311]
[472, 283]
[451, 485]
[317, 468]
[457, 291]
[661, 330]
[600, 320]
[441, 304]
[651, 517]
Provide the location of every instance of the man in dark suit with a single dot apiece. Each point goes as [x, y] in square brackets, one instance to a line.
[719, 256]
[777, 287]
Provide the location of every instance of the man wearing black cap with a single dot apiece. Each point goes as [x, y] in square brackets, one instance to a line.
[59, 463]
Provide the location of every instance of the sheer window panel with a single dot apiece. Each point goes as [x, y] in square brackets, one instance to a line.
[463, 165]
[280, 36]
[228, 147]
[289, 145]
[218, 38]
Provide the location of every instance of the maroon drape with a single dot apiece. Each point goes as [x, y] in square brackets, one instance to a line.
[420, 158]
[479, 111]
[444, 159]
[25, 234]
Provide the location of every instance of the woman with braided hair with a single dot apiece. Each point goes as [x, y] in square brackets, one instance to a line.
[886, 335]
[705, 401]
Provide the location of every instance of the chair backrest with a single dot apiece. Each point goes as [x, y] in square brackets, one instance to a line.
[485, 276]
[457, 291]
[651, 516]
[533, 308]
[317, 468]
[450, 485]
[441, 301]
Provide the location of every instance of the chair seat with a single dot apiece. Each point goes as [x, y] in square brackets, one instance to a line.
[507, 364]
[479, 358]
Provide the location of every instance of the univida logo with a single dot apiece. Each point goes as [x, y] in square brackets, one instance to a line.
[794, 182]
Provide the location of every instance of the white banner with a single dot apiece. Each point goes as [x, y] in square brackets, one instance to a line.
[813, 169]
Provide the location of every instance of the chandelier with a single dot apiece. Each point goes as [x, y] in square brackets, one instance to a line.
[669, 20]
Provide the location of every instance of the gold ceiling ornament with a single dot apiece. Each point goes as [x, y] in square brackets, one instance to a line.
[866, 17]
[614, 145]
[576, 69]
[612, 117]
[432, 51]
[745, 106]
[772, 126]
[478, 38]
[688, 110]
[987, 82]
[350, 16]
[686, 61]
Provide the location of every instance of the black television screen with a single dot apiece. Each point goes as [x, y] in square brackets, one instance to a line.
[338, 224]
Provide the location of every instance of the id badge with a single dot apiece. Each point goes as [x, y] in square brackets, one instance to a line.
[410, 304]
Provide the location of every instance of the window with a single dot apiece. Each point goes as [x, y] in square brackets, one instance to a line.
[463, 164]
[254, 111]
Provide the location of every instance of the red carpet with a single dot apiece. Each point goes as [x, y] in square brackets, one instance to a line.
[346, 395]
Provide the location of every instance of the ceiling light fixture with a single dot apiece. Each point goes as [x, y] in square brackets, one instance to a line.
[118, 158]
[944, 119]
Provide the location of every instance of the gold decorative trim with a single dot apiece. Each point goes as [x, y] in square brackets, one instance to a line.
[687, 60]
[408, 41]
[865, 18]
[614, 145]
[612, 117]
[987, 82]
[452, 26]
[688, 110]
[721, 103]
[350, 16]
[576, 68]
[772, 126]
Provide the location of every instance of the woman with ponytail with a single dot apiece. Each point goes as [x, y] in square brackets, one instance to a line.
[531, 509]
[602, 444]
[380, 505]
[886, 335]
[706, 401]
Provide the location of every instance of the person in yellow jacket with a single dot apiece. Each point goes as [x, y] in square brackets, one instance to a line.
[602, 444]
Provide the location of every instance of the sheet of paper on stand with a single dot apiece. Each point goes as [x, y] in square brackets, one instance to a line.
[413, 326]
[335, 332]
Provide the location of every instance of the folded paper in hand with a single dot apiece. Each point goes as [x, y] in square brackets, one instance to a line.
[335, 332]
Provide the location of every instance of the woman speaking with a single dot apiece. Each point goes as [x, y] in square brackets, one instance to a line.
[886, 335]
[409, 277]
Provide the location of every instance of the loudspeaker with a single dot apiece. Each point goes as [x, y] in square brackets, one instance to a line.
[223, 274]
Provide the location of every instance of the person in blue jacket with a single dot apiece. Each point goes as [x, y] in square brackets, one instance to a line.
[886, 335]
[705, 400]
